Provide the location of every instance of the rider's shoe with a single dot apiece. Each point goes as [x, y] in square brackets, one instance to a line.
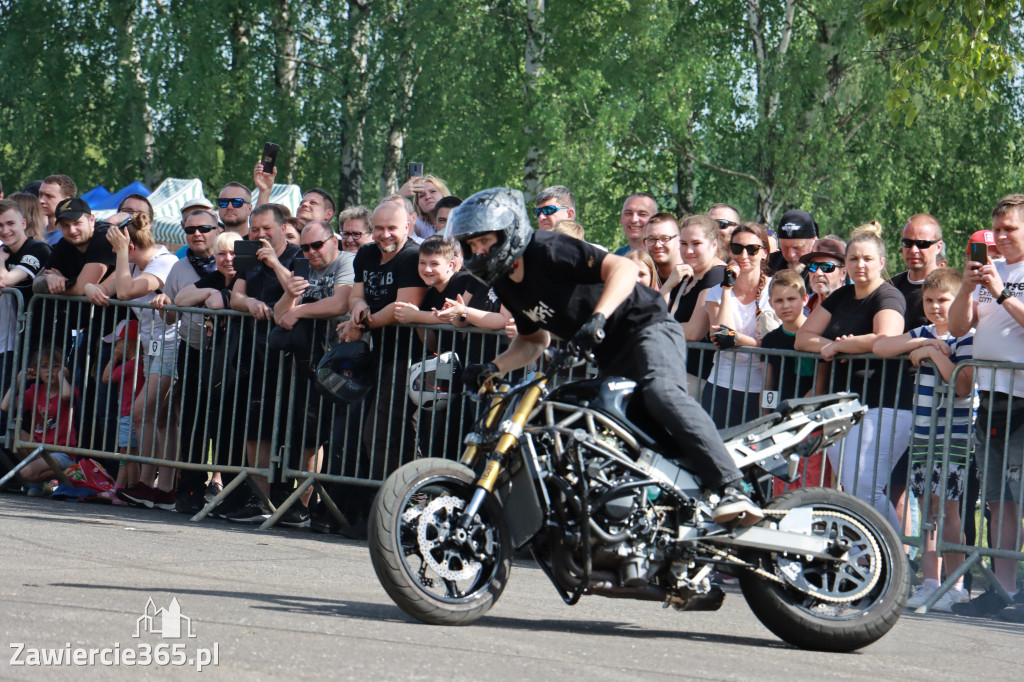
[735, 505]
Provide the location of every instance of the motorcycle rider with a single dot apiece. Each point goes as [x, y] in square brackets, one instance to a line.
[553, 283]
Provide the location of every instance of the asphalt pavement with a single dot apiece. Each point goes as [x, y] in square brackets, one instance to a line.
[76, 580]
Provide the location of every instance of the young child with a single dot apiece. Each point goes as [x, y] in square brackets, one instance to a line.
[790, 377]
[932, 347]
[48, 416]
[126, 370]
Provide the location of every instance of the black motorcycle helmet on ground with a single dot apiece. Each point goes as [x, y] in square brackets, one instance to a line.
[498, 210]
[346, 372]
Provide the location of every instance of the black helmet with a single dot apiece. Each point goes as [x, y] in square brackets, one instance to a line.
[499, 210]
[346, 372]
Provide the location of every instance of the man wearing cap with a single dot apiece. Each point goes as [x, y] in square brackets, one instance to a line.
[553, 204]
[824, 269]
[193, 205]
[797, 232]
[82, 256]
[636, 211]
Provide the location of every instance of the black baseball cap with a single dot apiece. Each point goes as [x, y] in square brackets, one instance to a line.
[797, 224]
[72, 209]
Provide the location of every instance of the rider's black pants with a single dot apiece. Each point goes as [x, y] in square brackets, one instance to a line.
[657, 363]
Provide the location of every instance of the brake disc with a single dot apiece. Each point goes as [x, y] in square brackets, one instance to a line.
[433, 535]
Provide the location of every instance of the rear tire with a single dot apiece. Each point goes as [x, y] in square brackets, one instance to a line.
[428, 572]
[857, 602]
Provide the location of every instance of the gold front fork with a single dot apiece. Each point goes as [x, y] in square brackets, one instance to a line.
[509, 437]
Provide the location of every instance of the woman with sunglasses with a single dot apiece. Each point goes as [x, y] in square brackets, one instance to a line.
[847, 323]
[732, 394]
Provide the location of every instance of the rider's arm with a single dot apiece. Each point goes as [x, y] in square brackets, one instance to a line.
[524, 349]
[619, 276]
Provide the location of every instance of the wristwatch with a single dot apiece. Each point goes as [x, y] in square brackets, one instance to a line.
[1003, 296]
[462, 317]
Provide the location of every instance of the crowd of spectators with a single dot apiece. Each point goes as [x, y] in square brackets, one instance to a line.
[199, 387]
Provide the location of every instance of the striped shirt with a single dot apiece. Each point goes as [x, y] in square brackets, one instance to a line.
[961, 349]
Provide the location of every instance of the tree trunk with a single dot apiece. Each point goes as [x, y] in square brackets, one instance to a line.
[407, 76]
[286, 73]
[138, 97]
[533, 164]
[355, 96]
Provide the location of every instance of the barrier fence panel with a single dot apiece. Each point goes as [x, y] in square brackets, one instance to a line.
[12, 311]
[220, 393]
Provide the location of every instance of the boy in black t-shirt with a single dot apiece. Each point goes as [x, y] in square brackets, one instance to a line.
[786, 377]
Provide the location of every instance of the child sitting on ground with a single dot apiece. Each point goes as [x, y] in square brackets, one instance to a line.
[932, 347]
[48, 417]
[126, 370]
[787, 377]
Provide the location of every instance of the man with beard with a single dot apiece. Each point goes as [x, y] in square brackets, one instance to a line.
[235, 205]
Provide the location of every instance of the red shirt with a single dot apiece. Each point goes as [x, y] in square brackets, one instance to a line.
[50, 418]
[117, 376]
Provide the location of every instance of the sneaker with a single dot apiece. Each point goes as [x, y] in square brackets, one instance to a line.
[1015, 614]
[735, 505]
[163, 499]
[213, 489]
[138, 495]
[296, 516]
[988, 603]
[921, 595]
[36, 490]
[253, 512]
[188, 502]
[954, 595]
[324, 524]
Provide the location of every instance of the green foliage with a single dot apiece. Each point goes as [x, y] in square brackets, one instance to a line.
[764, 105]
[971, 39]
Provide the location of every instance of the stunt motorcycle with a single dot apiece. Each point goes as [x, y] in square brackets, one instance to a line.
[580, 477]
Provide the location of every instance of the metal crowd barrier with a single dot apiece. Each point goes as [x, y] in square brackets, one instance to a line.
[12, 313]
[240, 409]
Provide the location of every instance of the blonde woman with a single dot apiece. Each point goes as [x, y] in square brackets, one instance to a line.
[425, 191]
[732, 394]
[849, 322]
[648, 273]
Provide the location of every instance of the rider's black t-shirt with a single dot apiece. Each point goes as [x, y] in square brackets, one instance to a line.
[560, 288]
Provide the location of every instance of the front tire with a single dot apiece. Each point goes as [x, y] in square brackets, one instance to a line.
[832, 606]
[431, 570]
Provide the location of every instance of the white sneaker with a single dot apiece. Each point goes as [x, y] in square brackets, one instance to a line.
[955, 595]
[921, 595]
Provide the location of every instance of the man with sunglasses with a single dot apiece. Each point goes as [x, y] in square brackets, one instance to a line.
[235, 204]
[825, 269]
[920, 245]
[553, 204]
[727, 218]
[325, 292]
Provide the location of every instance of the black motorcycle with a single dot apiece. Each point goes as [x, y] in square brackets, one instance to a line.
[582, 478]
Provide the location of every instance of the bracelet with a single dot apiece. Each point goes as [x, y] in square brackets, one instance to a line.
[1004, 295]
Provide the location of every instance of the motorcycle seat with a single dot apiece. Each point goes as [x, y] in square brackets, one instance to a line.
[788, 407]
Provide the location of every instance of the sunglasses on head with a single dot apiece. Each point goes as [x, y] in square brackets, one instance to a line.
[314, 246]
[549, 210]
[751, 249]
[192, 229]
[921, 244]
[824, 267]
[235, 203]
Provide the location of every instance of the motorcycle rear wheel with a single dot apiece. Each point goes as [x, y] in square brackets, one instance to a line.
[427, 570]
[844, 605]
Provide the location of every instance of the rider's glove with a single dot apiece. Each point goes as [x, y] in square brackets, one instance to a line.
[477, 374]
[588, 336]
[724, 337]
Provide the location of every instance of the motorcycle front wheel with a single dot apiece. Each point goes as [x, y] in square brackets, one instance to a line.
[434, 570]
[831, 605]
